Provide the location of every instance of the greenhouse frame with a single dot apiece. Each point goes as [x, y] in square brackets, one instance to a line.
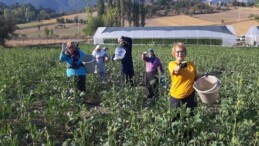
[225, 34]
[252, 36]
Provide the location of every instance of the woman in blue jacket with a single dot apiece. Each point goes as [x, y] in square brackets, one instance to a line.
[75, 68]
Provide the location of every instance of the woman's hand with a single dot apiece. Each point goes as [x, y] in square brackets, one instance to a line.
[64, 47]
[183, 64]
[176, 69]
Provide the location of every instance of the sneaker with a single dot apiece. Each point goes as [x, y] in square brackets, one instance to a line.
[103, 82]
[82, 94]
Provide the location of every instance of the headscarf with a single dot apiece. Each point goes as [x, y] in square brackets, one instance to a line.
[73, 52]
[153, 56]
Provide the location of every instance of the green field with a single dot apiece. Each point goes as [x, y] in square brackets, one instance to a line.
[36, 109]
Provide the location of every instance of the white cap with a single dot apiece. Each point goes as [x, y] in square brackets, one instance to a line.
[97, 46]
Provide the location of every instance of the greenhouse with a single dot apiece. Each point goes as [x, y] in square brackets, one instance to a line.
[252, 36]
[215, 35]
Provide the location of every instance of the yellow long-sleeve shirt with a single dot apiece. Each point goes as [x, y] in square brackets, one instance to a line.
[182, 83]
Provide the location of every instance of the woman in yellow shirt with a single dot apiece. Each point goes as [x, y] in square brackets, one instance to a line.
[183, 74]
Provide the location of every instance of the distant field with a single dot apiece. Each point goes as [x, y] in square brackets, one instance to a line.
[71, 29]
[231, 16]
[179, 20]
[53, 21]
[238, 18]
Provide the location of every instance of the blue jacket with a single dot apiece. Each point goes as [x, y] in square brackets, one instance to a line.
[78, 71]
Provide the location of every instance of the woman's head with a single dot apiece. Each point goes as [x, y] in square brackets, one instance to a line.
[121, 41]
[151, 53]
[179, 51]
[97, 48]
[71, 47]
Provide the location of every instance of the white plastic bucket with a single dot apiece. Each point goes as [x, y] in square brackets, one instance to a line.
[89, 63]
[207, 88]
[119, 53]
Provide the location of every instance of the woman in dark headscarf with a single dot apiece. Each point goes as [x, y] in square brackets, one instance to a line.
[127, 69]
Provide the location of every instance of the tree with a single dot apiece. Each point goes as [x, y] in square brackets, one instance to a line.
[43, 15]
[149, 12]
[135, 13]
[235, 3]
[8, 26]
[110, 4]
[93, 24]
[51, 32]
[118, 17]
[76, 19]
[108, 18]
[8, 13]
[128, 11]
[38, 27]
[122, 12]
[257, 3]
[100, 7]
[29, 14]
[47, 31]
[142, 14]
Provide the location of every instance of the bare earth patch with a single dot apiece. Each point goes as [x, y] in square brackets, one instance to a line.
[231, 16]
[180, 20]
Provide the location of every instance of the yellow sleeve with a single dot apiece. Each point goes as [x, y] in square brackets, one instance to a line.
[171, 67]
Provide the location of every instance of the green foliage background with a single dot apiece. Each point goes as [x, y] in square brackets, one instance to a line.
[36, 108]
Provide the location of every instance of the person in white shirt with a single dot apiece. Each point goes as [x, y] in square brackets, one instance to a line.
[100, 56]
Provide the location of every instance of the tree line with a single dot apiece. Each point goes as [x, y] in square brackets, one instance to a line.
[116, 13]
[20, 13]
[133, 13]
[24, 13]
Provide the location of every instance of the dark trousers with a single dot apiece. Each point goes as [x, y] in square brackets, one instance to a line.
[190, 103]
[152, 82]
[80, 82]
[128, 79]
[189, 100]
[127, 71]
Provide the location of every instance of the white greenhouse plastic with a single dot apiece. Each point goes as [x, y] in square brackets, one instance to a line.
[225, 33]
